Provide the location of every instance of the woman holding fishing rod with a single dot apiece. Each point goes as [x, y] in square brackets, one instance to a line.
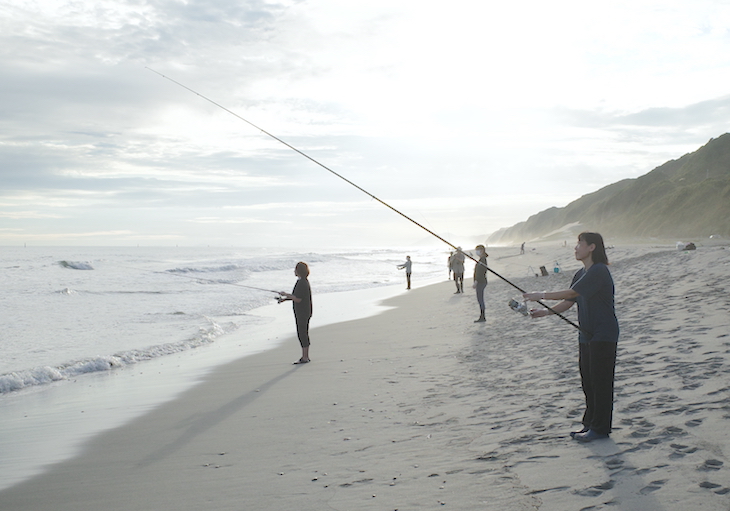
[593, 290]
[301, 297]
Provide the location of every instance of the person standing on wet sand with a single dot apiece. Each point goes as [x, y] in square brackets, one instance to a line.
[407, 266]
[301, 297]
[480, 280]
[593, 290]
[457, 265]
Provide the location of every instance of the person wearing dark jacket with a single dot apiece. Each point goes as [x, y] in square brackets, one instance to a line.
[301, 296]
[480, 280]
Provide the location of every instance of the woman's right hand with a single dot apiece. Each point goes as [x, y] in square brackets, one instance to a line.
[533, 297]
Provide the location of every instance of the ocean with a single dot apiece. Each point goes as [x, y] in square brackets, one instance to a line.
[72, 311]
[111, 332]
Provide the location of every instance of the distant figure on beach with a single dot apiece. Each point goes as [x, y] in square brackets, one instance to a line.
[457, 266]
[592, 288]
[301, 297]
[407, 266]
[480, 280]
[522, 248]
[449, 263]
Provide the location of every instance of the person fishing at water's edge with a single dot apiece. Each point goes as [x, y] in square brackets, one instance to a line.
[407, 267]
[301, 296]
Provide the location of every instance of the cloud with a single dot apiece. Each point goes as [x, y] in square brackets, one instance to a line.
[468, 126]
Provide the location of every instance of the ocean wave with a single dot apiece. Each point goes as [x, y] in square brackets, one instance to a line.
[257, 264]
[76, 265]
[207, 269]
[44, 375]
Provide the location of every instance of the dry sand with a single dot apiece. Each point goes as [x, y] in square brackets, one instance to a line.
[420, 408]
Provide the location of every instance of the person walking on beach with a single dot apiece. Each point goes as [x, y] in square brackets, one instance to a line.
[407, 266]
[522, 248]
[301, 297]
[480, 280]
[457, 265]
[592, 289]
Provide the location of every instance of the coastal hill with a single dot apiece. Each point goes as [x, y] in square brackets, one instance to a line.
[688, 199]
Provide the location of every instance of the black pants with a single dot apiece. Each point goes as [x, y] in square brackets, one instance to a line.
[303, 329]
[597, 361]
[408, 280]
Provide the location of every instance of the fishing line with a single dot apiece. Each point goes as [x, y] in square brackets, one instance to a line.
[199, 279]
[359, 188]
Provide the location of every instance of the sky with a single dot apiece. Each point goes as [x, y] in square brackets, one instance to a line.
[467, 116]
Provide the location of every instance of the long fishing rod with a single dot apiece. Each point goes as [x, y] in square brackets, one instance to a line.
[359, 188]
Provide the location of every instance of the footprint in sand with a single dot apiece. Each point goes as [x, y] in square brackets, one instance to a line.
[588, 492]
[711, 465]
[614, 464]
[680, 451]
[544, 490]
[709, 485]
[672, 431]
[606, 486]
[653, 486]
[644, 429]
[595, 491]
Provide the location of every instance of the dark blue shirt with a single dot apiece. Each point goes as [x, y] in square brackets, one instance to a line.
[480, 270]
[304, 293]
[596, 312]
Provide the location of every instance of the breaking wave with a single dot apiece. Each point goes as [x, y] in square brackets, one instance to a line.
[76, 265]
[43, 375]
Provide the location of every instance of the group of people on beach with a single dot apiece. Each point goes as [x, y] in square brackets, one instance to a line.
[456, 266]
[592, 288]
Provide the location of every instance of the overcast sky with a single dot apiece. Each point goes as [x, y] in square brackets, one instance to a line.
[468, 116]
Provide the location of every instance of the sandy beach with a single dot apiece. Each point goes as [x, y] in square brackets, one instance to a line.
[420, 408]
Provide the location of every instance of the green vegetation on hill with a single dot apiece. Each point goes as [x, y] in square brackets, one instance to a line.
[688, 198]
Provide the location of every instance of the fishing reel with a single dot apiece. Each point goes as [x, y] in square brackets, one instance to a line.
[520, 307]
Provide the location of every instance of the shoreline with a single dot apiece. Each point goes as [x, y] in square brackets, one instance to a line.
[49, 424]
[418, 407]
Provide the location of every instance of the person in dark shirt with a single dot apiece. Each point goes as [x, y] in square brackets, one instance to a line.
[301, 296]
[480, 280]
[407, 267]
[592, 289]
